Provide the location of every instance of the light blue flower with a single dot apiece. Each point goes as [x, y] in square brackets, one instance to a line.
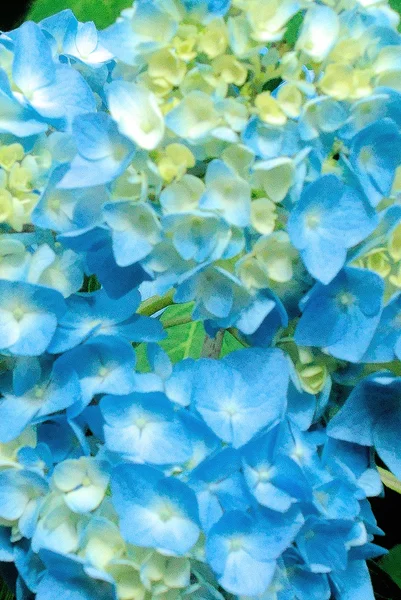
[375, 155]
[342, 316]
[274, 479]
[136, 111]
[135, 230]
[104, 364]
[242, 549]
[28, 317]
[219, 486]
[201, 236]
[40, 388]
[21, 494]
[230, 400]
[145, 28]
[15, 118]
[329, 218]
[386, 342]
[145, 428]
[155, 511]
[323, 543]
[371, 416]
[103, 153]
[92, 314]
[55, 91]
[227, 193]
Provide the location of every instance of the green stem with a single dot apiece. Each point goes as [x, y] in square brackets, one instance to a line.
[212, 346]
[152, 305]
[390, 480]
[177, 321]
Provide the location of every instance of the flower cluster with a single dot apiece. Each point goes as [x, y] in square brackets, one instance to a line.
[243, 157]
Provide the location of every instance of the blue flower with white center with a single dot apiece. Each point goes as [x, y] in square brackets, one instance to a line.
[145, 428]
[274, 479]
[155, 511]
[342, 316]
[354, 465]
[21, 494]
[69, 211]
[242, 548]
[321, 116]
[56, 268]
[230, 401]
[135, 230]
[103, 153]
[214, 290]
[227, 193]
[303, 582]
[329, 218]
[81, 41]
[323, 543]
[83, 482]
[375, 155]
[104, 365]
[28, 317]
[40, 388]
[147, 27]
[56, 92]
[371, 416]
[201, 236]
[137, 114]
[219, 486]
[92, 314]
[270, 141]
[17, 119]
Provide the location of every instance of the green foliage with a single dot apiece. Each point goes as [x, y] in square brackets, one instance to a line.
[391, 564]
[183, 340]
[293, 28]
[184, 337]
[396, 5]
[390, 480]
[5, 593]
[102, 12]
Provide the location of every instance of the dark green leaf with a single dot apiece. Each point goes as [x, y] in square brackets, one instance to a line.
[103, 12]
[391, 564]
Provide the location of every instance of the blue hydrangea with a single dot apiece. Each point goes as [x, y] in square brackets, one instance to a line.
[200, 279]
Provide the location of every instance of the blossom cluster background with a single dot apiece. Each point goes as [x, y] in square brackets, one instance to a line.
[200, 300]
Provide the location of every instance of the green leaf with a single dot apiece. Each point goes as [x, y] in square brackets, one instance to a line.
[229, 344]
[103, 12]
[390, 480]
[183, 341]
[396, 5]
[5, 593]
[391, 564]
[293, 27]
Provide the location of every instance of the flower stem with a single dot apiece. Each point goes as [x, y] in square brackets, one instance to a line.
[177, 321]
[212, 346]
[156, 303]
